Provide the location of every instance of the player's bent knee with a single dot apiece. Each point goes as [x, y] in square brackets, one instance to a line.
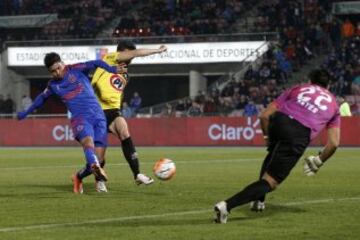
[87, 142]
[272, 181]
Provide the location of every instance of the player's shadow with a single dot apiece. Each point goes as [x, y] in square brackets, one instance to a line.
[271, 210]
[38, 191]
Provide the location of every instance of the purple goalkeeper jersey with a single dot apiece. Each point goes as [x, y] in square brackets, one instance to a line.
[76, 91]
[311, 105]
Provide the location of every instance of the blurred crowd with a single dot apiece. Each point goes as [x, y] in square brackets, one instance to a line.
[87, 18]
[76, 19]
[245, 96]
[186, 17]
[306, 29]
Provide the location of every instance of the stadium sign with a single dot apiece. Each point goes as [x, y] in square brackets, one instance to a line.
[346, 8]
[230, 133]
[200, 131]
[181, 53]
[62, 133]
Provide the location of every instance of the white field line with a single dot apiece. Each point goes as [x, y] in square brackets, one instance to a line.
[143, 163]
[215, 161]
[142, 217]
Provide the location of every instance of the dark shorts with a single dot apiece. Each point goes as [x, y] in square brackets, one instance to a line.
[288, 141]
[95, 128]
[110, 115]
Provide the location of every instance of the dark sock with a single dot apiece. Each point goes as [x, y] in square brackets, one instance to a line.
[83, 173]
[102, 163]
[252, 192]
[262, 171]
[130, 155]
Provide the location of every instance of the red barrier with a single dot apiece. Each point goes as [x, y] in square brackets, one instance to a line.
[206, 131]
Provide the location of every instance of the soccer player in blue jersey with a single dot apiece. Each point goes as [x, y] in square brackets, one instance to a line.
[71, 84]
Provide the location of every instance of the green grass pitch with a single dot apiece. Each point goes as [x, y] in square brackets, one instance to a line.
[36, 201]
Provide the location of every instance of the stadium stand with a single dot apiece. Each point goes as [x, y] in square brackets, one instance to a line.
[307, 30]
[158, 18]
[303, 35]
[76, 19]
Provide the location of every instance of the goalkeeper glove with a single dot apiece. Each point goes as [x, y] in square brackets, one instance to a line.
[312, 165]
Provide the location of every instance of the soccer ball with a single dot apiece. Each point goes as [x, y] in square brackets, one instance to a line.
[164, 169]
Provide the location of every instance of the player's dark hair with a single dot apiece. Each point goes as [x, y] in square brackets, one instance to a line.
[51, 58]
[320, 77]
[125, 45]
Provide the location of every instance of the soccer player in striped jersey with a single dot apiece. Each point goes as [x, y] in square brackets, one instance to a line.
[109, 88]
[289, 124]
[71, 84]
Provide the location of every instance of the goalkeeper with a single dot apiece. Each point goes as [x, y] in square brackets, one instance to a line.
[289, 124]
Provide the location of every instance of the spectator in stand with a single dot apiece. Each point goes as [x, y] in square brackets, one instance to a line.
[26, 102]
[355, 87]
[9, 105]
[250, 73]
[167, 111]
[180, 108]
[188, 103]
[348, 29]
[2, 101]
[335, 33]
[250, 109]
[126, 111]
[225, 108]
[135, 103]
[344, 107]
[242, 102]
[210, 108]
[194, 110]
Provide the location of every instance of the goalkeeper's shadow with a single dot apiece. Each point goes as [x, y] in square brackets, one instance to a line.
[271, 210]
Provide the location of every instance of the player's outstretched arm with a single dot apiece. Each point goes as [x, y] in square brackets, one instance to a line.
[313, 163]
[38, 102]
[91, 65]
[124, 56]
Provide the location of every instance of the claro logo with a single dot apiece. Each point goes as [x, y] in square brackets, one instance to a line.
[230, 133]
[62, 133]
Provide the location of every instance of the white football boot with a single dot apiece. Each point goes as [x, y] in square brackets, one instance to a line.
[100, 186]
[143, 179]
[257, 206]
[221, 212]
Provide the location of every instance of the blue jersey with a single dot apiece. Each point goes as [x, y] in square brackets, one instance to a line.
[75, 89]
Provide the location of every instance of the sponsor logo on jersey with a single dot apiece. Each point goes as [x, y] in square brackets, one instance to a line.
[73, 93]
[117, 82]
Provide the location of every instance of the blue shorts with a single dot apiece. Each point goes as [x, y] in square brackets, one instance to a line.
[95, 128]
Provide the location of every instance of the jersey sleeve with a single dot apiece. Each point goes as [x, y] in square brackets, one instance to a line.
[86, 67]
[334, 121]
[47, 92]
[111, 58]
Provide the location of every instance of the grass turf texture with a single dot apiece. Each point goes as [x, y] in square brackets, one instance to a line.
[37, 203]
